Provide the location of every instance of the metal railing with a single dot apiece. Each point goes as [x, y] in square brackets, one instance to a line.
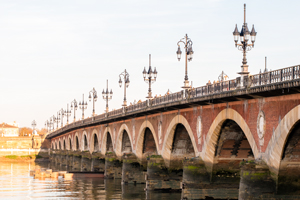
[261, 79]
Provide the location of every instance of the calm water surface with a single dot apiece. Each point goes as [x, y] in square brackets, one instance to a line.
[16, 183]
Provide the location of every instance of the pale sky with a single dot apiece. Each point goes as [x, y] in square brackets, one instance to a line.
[52, 52]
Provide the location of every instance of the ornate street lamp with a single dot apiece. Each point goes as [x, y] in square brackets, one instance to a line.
[47, 126]
[53, 122]
[126, 84]
[149, 77]
[57, 119]
[188, 56]
[68, 113]
[82, 106]
[62, 114]
[50, 124]
[74, 104]
[33, 124]
[107, 95]
[94, 93]
[244, 37]
[222, 77]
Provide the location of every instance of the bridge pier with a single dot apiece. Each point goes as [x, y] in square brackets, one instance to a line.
[56, 158]
[159, 177]
[113, 167]
[86, 162]
[132, 170]
[255, 180]
[98, 163]
[288, 178]
[76, 161]
[195, 179]
[64, 158]
[70, 160]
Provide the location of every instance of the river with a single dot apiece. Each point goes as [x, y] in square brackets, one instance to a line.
[16, 183]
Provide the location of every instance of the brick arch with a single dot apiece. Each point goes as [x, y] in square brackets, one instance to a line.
[168, 139]
[68, 142]
[84, 133]
[119, 141]
[140, 138]
[208, 150]
[53, 145]
[59, 144]
[104, 138]
[74, 141]
[64, 145]
[275, 148]
[94, 132]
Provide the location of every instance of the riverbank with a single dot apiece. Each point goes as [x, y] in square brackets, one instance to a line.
[24, 158]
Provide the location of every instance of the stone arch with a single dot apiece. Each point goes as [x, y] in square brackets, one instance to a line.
[104, 139]
[84, 141]
[64, 144]
[123, 128]
[140, 139]
[59, 144]
[168, 139]
[56, 146]
[76, 143]
[70, 142]
[94, 142]
[208, 151]
[275, 148]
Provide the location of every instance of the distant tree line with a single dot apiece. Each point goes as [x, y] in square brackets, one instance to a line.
[25, 131]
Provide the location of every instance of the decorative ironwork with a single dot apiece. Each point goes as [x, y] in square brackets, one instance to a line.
[257, 80]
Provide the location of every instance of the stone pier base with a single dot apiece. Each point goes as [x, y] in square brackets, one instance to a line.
[86, 164]
[255, 181]
[195, 180]
[288, 178]
[132, 171]
[159, 177]
[76, 163]
[113, 167]
[70, 161]
[98, 165]
[64, 160]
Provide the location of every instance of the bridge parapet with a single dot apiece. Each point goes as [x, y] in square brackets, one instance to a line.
[209, 91]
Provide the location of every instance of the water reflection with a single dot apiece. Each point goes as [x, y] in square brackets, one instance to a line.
[16, 183]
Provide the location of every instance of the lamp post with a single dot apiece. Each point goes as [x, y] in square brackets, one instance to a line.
[126, 84]
[187, 42]
[47, 125]
[68, 113]
[33, 124]
[149, 77]
[74, 104]
[62, 114]
[244, 37]
[107, 96]
[53, 121]
[94, 93]
[50, 124]
[82, 106]
[57, 119]
[222, 77]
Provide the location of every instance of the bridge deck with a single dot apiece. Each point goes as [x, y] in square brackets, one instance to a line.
[274, 83]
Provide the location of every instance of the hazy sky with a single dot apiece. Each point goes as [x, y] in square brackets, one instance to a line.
[52, 52]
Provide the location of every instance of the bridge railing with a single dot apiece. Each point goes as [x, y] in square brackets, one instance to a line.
[276, 76]
[261, 79]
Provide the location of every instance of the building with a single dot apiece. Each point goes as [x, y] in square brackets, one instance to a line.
[7, 130]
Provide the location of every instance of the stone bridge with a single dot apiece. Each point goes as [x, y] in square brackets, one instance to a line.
[206, 140]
